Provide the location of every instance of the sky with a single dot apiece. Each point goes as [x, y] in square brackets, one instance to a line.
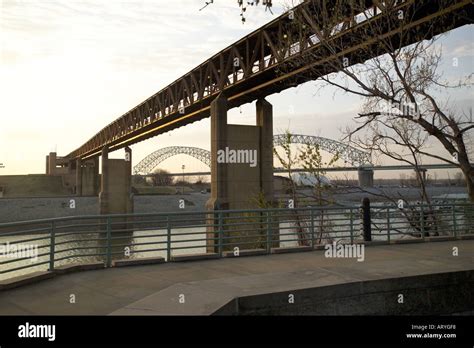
[70, 67]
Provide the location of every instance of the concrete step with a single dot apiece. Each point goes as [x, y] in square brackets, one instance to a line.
[138, 262]
[194, 257]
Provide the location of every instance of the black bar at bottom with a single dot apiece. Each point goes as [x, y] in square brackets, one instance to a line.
[136, 331]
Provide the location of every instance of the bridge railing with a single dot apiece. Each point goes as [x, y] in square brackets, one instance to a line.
[58, 243]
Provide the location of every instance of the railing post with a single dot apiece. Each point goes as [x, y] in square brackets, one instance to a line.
[312, 227]
[220, 232]
[52, 246]
[366, 220]
[455, 233]
[268, 233]
[351, 213]
[168, 239]
[422, 223]
[109, 242]
[388, 224]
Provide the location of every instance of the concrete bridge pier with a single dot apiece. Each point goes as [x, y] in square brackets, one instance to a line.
[115, 198]
[79, 177]
[104, 182]
[128, 176]
[87, 177]
[115, 190]
[241, 172]
[366, 177]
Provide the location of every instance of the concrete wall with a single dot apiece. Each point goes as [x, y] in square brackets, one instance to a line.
[17, 209]
[118, 189]
[90, 181]
[243, 181]
[433, 294]
[35, 185]
[237, 186]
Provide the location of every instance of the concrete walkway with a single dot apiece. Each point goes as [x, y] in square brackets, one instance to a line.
[208, 285]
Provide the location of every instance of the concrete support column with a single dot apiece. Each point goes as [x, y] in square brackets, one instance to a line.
[265, 122]
[128, 176]
[219, 189]
[366, 177]
[104, 182]
[52, 163]
[78, 177]
[47, 165]
[241, 169]
[96, 182]
[115, 195]
[114, 198]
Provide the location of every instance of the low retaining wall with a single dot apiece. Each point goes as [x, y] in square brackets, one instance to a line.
[432, 294]
[20, 209]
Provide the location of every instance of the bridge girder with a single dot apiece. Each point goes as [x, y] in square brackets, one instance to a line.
[261, 56]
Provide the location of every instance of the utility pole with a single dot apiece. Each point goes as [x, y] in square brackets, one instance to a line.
[182, 167]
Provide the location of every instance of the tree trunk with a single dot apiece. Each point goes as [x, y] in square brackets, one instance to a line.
[469, 177]
[470, 188]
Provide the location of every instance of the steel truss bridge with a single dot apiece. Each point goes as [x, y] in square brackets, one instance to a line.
[277, 56]
[345, 152]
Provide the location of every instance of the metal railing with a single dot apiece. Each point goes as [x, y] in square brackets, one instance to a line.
[47, 244]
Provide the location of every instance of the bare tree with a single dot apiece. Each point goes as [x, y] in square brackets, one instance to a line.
[161, 177]
[243, 4]
[311, 160]
[400, 140]
[288, 160]
[401, 84]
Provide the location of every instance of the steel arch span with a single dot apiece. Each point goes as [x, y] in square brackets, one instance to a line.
[346, 152]
[150, 162]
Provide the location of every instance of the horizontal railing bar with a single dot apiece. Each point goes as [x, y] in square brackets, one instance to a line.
[79, 248]
[36, 264]
[35, 231]
[15, 242]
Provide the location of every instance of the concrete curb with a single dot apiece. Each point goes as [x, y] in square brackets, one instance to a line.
[440, 239]
[291, 249]
[79, 267]
[138, 262]
[406, 241]
[246, 252]
[25, 280]
[194, 257]
[372, 243]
